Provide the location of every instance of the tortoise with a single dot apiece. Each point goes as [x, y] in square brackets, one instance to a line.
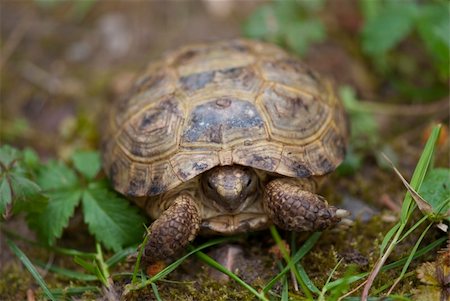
[223, 138]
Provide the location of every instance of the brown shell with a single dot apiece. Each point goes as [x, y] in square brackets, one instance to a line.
[232, 102]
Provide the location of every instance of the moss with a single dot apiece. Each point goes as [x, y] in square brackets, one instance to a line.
[14, 282]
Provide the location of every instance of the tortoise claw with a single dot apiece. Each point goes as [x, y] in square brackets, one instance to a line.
[341, 213]
[292, 208]
[173, 230]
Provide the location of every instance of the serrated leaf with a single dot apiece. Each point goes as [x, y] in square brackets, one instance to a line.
[111, 219]
[384, 31]
[52, 220]
[56, 175]
[435, 190]
[5, 195]
[22, 186]
[87, 163]
[8, 154]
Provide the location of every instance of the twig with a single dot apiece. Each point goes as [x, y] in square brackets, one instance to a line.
[14, 40]
[352, 291]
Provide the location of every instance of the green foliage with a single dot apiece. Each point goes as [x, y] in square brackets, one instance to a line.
[365, 136]
[389, 22]
[87, 163]
[59, 189]
[78, 9]
[395, 235]
[291, 24]
[435, 190]
[15, 184]
[388, 26]
[110, 218]
[30, 267]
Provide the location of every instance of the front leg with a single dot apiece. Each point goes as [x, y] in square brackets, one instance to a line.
[292, 205]
[173, 230]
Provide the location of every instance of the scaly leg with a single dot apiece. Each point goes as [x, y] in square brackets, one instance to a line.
[292, 205]
[173, 230]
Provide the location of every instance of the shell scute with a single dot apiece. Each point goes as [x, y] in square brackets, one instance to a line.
[220, 81]
[154, 130]
[223, 121]
[294, 118]
[233, 102]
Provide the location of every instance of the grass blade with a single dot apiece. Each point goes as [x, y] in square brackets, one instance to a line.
[388, 237]
[307, 280]
[305, 248]
[285, 291]
[175, 264]
[422, 168]
[59, 250]
[324, 288]
[74, 291]
[65, 272]
[156, 292]
[410, 257]
[30, 267]
[211, 262]
[86, 265]
[414, 227]
[138, 259]
[389, 266]
[408, 206]
[119, 256]
[287, 258]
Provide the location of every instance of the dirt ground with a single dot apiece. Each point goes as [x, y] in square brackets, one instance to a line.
[64, 64]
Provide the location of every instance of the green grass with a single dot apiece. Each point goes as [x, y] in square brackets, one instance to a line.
[30, 267]
[393, 236]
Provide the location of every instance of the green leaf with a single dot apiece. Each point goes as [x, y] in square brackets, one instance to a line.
[22, 186]
[56, 175]
[391, 25]
[87, 163]
[111, 219]
[435, 190]
[262, 24]
[50, 223]
[8, 154]
[300, 35]
[434, 30]
[5, 194]
[30, 158]
[364, 128]
[352, 162]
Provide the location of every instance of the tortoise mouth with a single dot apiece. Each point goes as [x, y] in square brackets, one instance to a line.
[229, 224]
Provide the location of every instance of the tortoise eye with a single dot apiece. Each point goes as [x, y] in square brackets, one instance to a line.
[210, 185]
[249, 181]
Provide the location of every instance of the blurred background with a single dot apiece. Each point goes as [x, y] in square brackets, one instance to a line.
[63, 62]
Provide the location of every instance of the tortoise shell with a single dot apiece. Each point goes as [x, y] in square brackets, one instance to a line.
[231, 102]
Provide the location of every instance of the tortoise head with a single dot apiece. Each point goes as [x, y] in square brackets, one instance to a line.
[232, 188]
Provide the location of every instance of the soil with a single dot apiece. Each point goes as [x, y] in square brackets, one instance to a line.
[63, 63]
